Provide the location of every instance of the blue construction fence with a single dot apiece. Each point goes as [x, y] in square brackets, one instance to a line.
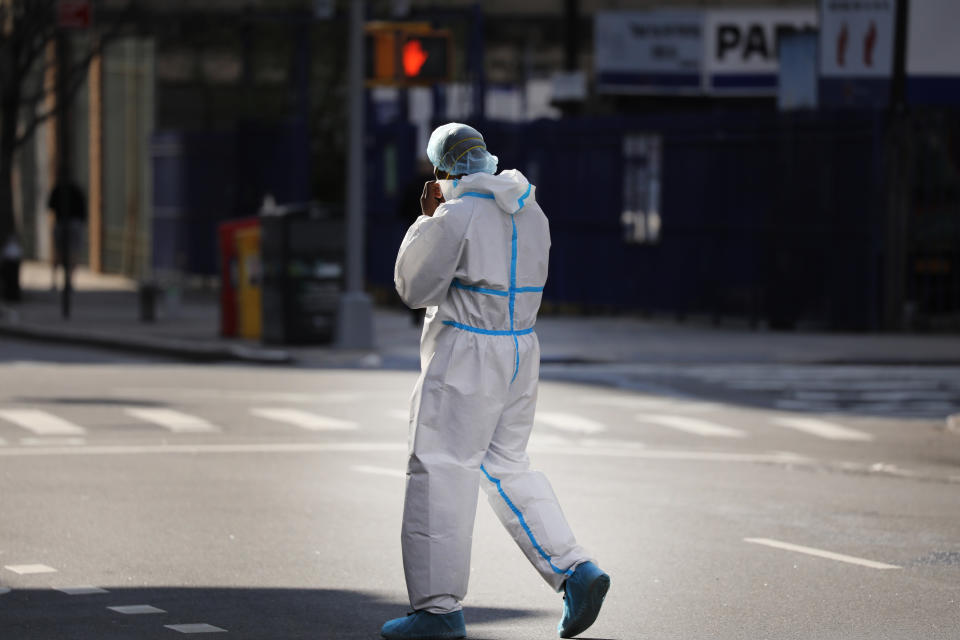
[202, 178]
[778, 218]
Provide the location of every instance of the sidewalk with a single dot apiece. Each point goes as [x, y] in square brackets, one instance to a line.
[105, 314]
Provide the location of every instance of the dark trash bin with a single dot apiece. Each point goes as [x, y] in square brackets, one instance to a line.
[303, 274]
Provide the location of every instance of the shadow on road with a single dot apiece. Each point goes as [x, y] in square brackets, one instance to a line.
[251, 613]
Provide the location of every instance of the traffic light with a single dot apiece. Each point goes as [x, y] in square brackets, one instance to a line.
[407, 54]
[426, 58]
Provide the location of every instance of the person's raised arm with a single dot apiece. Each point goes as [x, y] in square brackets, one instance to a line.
[429, 255]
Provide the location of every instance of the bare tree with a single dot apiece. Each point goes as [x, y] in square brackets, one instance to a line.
[27, 28]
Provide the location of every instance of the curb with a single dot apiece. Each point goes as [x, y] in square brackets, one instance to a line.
[182, 349]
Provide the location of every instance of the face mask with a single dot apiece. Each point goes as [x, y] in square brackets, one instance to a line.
[446, 188]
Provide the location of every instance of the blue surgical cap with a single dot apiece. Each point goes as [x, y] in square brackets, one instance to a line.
[459, 149]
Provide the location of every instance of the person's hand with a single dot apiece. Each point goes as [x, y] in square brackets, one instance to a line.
[431, 198]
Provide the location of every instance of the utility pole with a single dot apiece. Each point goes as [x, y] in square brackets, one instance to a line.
[64, 174]
[355, 317]
[899, 175]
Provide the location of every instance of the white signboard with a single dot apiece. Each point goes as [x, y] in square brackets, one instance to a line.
[648, 51]
[742, 46]
[726, 51]
[856, 38]
[933, 38]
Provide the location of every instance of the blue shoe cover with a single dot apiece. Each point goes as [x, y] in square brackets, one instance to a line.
[421, 625]
[585, 591]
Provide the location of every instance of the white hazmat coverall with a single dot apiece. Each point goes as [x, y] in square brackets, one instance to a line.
[479, 266]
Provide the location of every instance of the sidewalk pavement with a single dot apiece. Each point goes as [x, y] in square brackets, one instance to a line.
[105, 313]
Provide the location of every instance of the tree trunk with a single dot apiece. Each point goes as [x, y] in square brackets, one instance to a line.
[8, 129]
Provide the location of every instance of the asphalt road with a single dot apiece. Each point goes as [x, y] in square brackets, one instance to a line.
[266, 502]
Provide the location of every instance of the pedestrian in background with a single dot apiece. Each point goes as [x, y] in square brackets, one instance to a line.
[70, 212]
[477, 260]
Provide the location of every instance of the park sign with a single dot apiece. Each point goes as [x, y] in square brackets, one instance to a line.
[743, 48]
[74, 14]
[726, 52]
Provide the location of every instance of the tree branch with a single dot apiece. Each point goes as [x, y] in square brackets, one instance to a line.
[73, 86]
[76, 74]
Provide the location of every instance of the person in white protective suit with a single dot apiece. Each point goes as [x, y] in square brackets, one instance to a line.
[477, 260]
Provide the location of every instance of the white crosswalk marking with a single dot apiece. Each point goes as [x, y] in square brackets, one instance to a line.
[29, 569]
[305, 419]
[173, 420]
[380, 471]
[695, 426]
[548, 440]
[195, 628]
[651, 404]
[82, 590]
[136, 609]
[627, 402]
[41, 422]
[569, 422]
[822, 428]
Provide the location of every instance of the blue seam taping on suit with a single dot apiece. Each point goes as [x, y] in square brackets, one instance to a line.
[494, 292]
[513, 296]
[521, 200]
[523, 523]
[511, 292]
[487, 332]
[469, 287]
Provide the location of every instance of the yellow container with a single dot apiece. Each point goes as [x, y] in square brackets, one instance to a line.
[249, 281]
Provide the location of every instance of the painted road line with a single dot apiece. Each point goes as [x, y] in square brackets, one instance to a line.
[380, 471]
[194, 449]
[3, 442]
[602, 443]
[29, 569]
[292, 397]
[820, 553]
[136, 609]
[195, 628]
[82, 590]
[822, 428]
[53, 442]
[305, 419]
[41, 422]
[655, 404]
[778, 457]
[399, 414]
[569, 422]
[626, 402]
[695, 426]
[175, 421]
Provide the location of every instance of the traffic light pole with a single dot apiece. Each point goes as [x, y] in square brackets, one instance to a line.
[355, 316]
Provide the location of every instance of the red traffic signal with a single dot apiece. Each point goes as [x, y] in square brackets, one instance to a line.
[402, 54]
[425, 58]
